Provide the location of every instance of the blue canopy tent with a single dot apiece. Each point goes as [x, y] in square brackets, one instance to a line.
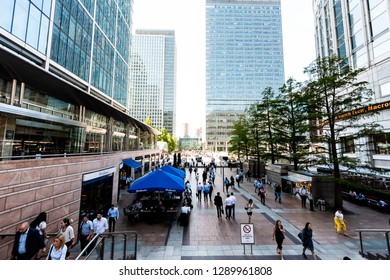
[174, 171]
[132, 163]
[157, 180]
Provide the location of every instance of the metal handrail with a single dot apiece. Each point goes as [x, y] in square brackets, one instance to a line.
[101, 238]
[385, 231]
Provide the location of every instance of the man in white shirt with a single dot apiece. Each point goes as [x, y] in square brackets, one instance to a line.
[100, 224]
[303, 193]
[228, 207]
[233, 200]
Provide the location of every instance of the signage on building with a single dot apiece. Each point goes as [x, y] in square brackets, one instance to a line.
[97, 174]
[366, 109]
[9, 134]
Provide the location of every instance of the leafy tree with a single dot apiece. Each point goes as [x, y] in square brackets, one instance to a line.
[293, 125]
[240, 142]
[336, 99]
[148, 121]
[263, 119]
[167, 137]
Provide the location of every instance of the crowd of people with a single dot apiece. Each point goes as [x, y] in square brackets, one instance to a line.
[31, 239]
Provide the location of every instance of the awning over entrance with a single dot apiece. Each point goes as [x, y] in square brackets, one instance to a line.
[132, 163]
[294, 179]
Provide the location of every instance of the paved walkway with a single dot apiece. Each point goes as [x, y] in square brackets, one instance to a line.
[209, 237]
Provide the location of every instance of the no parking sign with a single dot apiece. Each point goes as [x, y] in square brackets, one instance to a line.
[247, 234]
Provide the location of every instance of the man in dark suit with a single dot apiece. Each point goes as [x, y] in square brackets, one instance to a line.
[27, 243]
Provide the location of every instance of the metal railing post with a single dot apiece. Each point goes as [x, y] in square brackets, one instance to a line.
[361, 243]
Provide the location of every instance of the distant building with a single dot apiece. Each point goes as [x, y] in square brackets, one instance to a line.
[244, 55]
[190, 143]
[360, 32]
[153, 78]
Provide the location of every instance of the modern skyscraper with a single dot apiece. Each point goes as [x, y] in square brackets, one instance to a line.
[64, 77]
[244, 55]
[153, 78]
[359, 31]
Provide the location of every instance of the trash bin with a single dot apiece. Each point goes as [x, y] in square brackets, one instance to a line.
[321, 205]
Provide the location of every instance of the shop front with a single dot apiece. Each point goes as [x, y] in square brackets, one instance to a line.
[292, 182]
[96, 192]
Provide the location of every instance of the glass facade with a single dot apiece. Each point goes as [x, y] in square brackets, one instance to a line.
[102, 30]
[153, 78]
[28, 20]
[244, 55]
[73, 96]
[363, 39]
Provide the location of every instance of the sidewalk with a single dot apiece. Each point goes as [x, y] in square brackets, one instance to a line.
[208, 237]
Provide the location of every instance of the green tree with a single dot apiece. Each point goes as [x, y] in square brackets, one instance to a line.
[335, 98]
[240, 142]
[148, 121]
[293, 125]
[263, 120]
[167, 137]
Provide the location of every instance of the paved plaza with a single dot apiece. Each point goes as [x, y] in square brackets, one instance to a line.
[209, 237]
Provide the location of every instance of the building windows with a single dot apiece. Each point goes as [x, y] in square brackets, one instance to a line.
[382, 143]
[347, 145]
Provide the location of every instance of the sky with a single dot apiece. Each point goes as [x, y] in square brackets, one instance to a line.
[187, 18]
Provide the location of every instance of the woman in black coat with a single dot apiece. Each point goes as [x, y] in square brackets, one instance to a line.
[307, 240]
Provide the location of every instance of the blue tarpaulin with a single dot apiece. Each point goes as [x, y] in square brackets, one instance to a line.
[157, 180]
[132, 163]
[174, 171]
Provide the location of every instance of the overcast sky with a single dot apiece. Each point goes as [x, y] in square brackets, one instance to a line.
[187, 18]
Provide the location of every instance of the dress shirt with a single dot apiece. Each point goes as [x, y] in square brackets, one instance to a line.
[100, 226]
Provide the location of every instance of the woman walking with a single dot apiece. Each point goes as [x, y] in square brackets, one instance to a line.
[307, 240]
[249, 210]
[67, 231]
[58, 249]
[278, 234]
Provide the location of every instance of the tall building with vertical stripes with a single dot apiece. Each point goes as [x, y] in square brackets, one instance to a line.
[153, 78]
[244, 55]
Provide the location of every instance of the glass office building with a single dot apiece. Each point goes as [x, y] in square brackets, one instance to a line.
[244, 55]
[64, 77]
[153, 77]
[359, 31]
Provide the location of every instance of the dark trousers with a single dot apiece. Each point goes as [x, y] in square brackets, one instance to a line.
[111, 224]
[278, 196]
[303, 201]
[234, 210]
[228, 210]
[219, 209]
[84, 242]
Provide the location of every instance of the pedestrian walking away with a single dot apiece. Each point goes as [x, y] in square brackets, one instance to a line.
[278, 193]
[278, 234]
[228, 207]
[262, 194]
[219, 204]
[234, 200]
[307, 240]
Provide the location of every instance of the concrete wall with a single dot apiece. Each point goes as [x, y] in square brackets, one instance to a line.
[51, 185]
